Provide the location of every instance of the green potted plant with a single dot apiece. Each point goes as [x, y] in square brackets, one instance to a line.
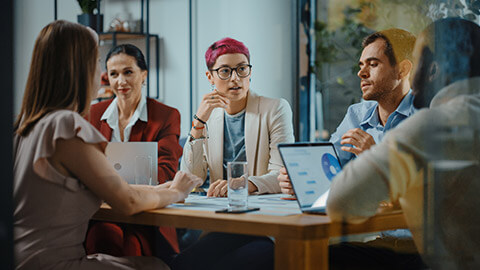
[88, 18]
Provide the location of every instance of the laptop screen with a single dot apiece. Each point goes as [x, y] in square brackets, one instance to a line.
[311, 168]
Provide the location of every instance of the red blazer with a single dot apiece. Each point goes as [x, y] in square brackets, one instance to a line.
[163, 127]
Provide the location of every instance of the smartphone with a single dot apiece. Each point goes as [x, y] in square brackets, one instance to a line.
[237, 211]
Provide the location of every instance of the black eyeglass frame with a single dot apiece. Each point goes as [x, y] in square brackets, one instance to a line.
[232, 69]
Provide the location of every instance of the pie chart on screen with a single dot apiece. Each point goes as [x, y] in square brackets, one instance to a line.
[330, 166]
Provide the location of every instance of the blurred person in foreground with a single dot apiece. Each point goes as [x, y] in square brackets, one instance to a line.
[61, 174]
[429, 164]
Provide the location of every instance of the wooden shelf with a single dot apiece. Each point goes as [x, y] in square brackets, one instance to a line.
[123, 35]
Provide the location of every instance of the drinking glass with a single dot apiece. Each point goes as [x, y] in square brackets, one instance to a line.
[237, 177]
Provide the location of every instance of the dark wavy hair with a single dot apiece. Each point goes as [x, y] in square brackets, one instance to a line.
[130, 50]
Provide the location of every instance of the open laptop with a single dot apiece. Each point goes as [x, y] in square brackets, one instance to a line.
[311, 168]
[123, 156]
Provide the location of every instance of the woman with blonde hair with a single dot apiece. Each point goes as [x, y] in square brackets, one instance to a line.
[61, 174]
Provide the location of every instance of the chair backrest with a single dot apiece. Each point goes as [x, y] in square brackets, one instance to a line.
[182, 142]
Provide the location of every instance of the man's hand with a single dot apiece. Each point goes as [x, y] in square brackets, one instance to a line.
[359, 139]
[284, 182]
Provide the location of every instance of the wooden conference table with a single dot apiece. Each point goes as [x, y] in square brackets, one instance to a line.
[301, 240]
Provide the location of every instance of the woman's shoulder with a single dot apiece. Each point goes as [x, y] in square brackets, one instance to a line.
[160, 113]
[97, 110]
[269, 103]
[156, 105]
[101, 106]
[61, 117]
[65, 121]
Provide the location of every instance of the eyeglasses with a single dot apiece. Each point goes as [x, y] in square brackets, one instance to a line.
[225, 73]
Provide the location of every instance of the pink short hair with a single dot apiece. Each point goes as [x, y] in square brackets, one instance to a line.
[224, 46]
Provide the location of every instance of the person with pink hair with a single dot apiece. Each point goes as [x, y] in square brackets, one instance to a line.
[233, 123]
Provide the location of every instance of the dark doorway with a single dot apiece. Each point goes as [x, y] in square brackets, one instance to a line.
[6, 113]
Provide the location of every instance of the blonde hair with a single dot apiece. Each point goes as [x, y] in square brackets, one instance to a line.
[61, 75]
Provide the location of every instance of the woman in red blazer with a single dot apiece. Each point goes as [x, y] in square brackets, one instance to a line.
[127, 118]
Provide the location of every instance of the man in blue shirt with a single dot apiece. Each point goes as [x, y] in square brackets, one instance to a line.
[385, 66]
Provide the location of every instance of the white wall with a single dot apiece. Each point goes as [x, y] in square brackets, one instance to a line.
[30, 16]
[263, 25]
[170, 20]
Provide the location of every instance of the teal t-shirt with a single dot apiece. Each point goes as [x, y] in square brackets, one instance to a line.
[233, 139]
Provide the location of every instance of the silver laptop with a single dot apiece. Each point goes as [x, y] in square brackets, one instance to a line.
[129, 157]
[311, 168]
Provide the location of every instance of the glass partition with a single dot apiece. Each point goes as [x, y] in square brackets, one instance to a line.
[338, 31]
[428, 165]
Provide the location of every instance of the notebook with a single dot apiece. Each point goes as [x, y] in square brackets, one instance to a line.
[311, 168]
[124, 157]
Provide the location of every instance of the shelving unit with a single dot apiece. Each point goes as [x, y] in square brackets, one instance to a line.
[143, 34]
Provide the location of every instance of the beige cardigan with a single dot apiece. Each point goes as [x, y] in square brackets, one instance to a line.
[268, 121]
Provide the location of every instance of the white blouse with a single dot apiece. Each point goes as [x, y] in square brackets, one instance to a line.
[111, 115]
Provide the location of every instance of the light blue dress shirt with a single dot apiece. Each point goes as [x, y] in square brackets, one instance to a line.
[233, 139]
[364, 115]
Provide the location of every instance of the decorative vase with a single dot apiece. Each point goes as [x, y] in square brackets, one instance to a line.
[91, 21]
